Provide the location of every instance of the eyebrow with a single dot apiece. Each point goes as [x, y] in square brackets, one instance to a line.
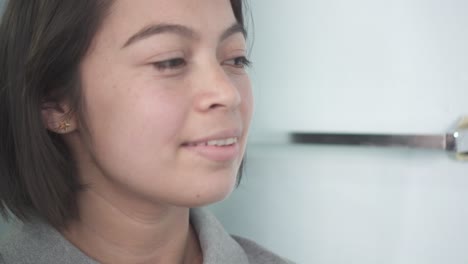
[181, 30]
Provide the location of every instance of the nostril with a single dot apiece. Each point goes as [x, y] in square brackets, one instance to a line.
[215, 106]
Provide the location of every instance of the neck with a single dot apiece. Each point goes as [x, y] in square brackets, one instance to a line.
[126, 234]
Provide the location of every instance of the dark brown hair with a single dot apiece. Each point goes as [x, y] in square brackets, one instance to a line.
[41, 46]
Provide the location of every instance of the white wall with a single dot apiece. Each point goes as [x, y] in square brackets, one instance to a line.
[356, 66]
[360, 65]
[335, 205]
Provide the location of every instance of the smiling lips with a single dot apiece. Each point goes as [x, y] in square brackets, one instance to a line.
[218, 143]
[218, 150]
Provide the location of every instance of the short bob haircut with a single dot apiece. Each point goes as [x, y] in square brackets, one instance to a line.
[41, 47]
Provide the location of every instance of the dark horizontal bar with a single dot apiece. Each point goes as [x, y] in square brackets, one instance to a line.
[443, 142]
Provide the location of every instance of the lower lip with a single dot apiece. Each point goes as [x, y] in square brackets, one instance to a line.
[216, 153]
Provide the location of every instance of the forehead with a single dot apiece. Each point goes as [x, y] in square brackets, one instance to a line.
[129, 16]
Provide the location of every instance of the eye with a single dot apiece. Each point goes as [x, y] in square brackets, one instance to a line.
[170, 64]
[239, 62]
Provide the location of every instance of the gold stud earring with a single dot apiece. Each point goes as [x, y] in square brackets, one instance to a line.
[64, 125]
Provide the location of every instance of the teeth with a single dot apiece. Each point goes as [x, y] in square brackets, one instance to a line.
[222, 142]
[217, 143]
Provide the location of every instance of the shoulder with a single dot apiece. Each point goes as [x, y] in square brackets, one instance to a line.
[15, 244]
[37, 242]
[22, 244]
[258, 254]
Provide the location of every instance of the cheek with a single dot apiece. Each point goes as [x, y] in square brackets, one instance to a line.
[134, 121]
[245, 90]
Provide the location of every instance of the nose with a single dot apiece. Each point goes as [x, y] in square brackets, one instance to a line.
[216, 89]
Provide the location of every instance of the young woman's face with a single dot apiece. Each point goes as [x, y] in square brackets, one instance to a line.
[167, 101]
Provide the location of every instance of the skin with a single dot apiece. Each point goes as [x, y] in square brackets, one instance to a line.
[146, 101]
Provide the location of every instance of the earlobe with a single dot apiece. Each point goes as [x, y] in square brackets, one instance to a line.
[64, 126]
[57, 118]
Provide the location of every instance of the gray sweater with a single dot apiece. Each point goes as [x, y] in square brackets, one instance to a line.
[37, 242]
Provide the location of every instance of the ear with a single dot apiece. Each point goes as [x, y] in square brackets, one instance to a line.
[58, 118]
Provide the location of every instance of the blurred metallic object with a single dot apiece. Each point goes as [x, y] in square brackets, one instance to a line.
[453, 142]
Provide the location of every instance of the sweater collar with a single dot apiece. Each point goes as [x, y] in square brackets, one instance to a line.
[49, 246]
[217, 245]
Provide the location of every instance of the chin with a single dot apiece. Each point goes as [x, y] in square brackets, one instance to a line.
[210, 193]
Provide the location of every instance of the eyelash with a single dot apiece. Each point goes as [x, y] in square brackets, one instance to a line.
[241, 62]
[172, 64]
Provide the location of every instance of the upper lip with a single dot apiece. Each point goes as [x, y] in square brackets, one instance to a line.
[224, 134]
